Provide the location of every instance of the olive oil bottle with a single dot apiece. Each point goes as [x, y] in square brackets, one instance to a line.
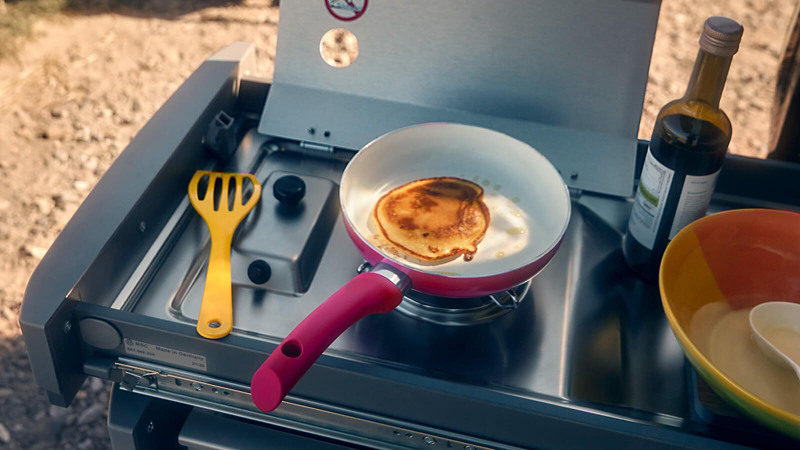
[686, 151]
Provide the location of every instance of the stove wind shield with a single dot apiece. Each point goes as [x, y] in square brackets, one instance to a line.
[566, 77]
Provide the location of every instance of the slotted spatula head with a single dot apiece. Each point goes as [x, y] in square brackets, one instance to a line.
[226, 215]
[216, 312]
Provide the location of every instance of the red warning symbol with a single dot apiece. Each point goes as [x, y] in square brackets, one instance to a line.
[346, 10]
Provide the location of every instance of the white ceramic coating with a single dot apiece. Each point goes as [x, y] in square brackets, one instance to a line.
[523, 191]
[768, 316]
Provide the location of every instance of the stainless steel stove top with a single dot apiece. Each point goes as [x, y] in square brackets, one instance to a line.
[584, 331]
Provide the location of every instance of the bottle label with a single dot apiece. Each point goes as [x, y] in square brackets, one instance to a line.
[694, 200]
[648, 206]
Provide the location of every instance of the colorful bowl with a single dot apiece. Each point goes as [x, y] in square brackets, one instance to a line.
[741, 257]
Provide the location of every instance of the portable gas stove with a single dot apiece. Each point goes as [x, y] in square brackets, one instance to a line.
[580, 356]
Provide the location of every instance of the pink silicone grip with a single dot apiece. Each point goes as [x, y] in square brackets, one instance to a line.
[366, 294]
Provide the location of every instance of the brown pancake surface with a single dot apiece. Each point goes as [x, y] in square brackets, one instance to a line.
[433, 219]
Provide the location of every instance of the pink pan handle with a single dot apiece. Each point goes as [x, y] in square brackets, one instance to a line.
[368, 293]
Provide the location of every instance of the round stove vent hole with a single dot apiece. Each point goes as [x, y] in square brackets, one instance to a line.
[339, 47]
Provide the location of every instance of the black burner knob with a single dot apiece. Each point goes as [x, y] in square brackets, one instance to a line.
[259, 271]
[289, 189]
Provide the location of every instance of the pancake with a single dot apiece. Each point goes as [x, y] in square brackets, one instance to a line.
[433, 219]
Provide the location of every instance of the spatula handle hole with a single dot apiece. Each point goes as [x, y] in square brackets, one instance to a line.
[214, 324]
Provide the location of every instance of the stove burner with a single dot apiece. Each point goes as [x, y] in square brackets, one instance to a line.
[458, 311]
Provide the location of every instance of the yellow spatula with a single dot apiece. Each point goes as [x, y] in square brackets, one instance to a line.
[216, 312]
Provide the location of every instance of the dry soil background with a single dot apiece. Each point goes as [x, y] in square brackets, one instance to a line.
[87, 80]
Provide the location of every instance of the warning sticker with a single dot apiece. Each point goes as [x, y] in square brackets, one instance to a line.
[346, 10]
[164, 354]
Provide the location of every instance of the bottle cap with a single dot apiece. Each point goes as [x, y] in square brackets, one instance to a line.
[721, 36]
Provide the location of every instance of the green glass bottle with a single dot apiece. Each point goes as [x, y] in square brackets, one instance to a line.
[686, 151]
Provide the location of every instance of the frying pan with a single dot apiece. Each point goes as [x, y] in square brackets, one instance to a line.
[529, 208]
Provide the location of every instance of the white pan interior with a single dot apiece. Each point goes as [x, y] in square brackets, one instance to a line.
[527, 199]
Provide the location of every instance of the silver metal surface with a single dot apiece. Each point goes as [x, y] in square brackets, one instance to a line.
[230, 398]
[399, 279]
[451, 311]
[469, 311]
[316, 147]
[507, 300]
[586, 331]
[245, 159]
[567, 77]
[149, 264]
[200, 431]
[290, 238]
[587, 346]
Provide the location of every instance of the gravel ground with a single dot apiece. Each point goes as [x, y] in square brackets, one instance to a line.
[88, 79]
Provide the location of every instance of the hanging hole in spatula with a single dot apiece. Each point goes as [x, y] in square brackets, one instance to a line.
[214, 324]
